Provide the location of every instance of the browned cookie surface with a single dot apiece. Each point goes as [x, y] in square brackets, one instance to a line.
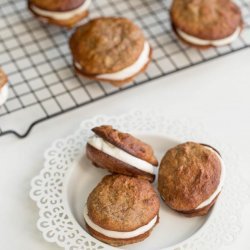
[3, 78]
[122, 203]
[127, 142]
[188, 175]
[106, 45]
[206, 19]
[105, 161]
[57, 5]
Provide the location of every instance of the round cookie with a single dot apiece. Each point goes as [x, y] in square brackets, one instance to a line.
[191, 177]
[110, 49]
[205, 24]
[66, 13]
[121, 153]
[3, 87]
[122, 210]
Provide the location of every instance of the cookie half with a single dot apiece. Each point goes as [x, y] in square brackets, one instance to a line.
[66, 13]
[205, 24]
[110, 49]
[3, 87]
[191, 177]
[121, 153]
[122, 210]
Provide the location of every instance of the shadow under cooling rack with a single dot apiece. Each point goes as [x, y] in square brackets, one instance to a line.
[42, 82]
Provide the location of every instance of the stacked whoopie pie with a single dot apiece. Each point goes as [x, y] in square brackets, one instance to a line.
[124, 208]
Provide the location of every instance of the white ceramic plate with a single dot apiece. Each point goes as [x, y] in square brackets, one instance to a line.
[63, 185]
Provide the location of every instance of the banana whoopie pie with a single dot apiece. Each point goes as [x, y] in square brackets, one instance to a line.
[191, 177]
[122, 210]
[3, 87]
[121, 153]
[110, 49]
[206, 23]
[65, 13]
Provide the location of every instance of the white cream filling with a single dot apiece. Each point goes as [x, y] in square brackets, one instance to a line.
[106, 147]
[129, 71]
[3, 94]
[219, 188]
[116, 234]
[220, 42]
[63, 15]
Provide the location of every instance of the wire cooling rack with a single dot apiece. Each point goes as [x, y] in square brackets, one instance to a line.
[37, 59]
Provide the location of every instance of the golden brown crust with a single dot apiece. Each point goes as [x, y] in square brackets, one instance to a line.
[57, 5]
[3, 78]
[68, 23]
[102, 160]
[106, 45]
[208, 20]
[117, 83]
[127, 142]
[119, 242]
[122, 203]
[188, 175]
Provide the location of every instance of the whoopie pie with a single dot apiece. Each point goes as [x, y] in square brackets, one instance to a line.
[191, 177]
[206, 23]
[110, 49]
[122, 210]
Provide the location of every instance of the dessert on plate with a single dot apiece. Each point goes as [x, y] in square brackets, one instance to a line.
[122, 210]
[110, 49]
[121, 153]
[3, 87]
[206, 23]
[191, 177]
[66, 13]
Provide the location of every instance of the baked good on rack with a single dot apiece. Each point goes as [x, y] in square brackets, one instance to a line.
[206, 23]
[66, 13]
[110, 49]
[191, 177]
[121, 153]
[122, 210]
[3, 87]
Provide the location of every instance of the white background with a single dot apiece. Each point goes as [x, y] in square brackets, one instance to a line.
[216, 93]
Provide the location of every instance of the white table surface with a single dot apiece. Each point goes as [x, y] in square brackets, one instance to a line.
[215, 93]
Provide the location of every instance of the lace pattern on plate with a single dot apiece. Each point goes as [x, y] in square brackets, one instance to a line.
[47, 188]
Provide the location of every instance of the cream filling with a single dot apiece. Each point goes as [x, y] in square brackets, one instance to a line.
[219, 188]
[3, 94]
[116, 234]
[65, 15]
[220, 42]
[129, 71]
[106, 147]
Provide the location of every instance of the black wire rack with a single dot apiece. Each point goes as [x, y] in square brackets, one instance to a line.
[42, 81]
